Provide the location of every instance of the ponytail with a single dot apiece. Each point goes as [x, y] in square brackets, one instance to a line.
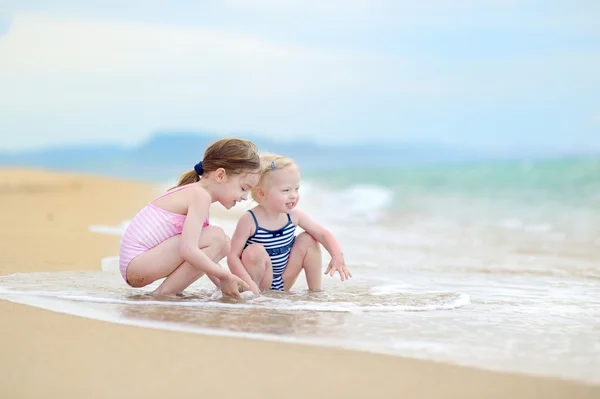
[236, 156]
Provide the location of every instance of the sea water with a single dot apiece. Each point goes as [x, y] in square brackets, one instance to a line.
[492, 265]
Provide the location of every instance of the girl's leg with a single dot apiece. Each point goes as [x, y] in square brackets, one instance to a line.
[164, 259]
[257, 263]
[215, 245]
[306, 254]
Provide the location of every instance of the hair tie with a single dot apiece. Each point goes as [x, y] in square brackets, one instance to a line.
[272, 166]
[198, 168]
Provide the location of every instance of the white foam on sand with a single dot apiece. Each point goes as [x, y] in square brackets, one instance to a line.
[342, 302]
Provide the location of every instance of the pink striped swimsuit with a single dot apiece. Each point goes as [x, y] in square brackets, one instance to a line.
[151, 226]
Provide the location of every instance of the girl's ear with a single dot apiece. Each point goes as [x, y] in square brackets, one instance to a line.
[220, 175]
[260, 193]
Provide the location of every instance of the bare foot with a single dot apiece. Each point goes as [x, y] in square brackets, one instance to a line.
[165, 297]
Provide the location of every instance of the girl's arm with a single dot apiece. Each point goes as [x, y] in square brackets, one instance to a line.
[328, 240]
[243, 231]
[198, 206]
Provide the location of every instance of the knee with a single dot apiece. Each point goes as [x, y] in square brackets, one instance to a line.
[225, 245]
[222, 241]
[307, 242]
[254, 253]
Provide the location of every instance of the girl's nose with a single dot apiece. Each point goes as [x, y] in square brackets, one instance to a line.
[245, 196]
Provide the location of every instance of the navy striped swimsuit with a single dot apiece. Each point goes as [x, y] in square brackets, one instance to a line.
[278, 244]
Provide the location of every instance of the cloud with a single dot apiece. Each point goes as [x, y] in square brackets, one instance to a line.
[71, 77]
[166, 76]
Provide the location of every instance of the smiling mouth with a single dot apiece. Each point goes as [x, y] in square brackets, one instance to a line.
[290, 205]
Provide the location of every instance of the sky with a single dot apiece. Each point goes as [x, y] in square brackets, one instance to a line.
[468, 73]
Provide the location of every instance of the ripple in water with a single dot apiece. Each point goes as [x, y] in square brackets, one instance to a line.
[101, 287]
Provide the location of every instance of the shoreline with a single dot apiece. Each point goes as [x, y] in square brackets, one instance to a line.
[53, 354]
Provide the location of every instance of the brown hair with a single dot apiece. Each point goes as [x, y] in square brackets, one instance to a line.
[234, 155]
[268, 163]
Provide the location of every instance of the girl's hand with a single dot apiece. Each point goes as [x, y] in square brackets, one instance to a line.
[337, 264]
[254, 288]
[230, 285]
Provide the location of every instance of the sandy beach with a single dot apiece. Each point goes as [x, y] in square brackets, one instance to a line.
[44, 228]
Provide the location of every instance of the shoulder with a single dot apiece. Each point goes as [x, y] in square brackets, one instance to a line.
[197, 194]
[297, 216]
[251, 216]
[246, 224]
[196, 198]
[246, 218]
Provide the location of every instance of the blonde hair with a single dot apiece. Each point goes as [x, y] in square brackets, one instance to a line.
[234, 155]
[270, 162]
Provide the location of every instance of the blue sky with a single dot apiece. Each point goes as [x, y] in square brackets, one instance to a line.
[474, 73]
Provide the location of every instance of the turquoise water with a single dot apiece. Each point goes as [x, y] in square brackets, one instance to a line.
[492, 265]
[567, 185]
[569, 176]
[562, 192]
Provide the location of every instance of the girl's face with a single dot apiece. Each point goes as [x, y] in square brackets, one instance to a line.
[281, 191]
[235, 188]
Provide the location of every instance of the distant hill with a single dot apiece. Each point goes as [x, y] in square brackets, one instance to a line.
[165, 155]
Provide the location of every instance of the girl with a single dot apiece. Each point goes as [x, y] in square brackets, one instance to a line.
[171, 237]
[264, 250]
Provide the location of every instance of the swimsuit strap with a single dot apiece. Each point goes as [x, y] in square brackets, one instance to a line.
[172, 191]
[255, 221]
